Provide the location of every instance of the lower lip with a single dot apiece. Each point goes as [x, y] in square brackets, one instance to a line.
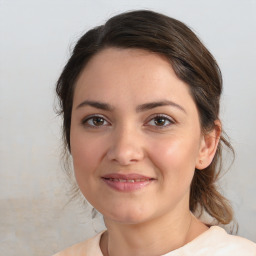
[127, 186]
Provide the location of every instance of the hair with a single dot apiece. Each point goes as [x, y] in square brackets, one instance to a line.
[192, 63]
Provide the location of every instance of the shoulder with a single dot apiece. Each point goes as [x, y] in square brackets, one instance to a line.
[89, 247]
[216, 241]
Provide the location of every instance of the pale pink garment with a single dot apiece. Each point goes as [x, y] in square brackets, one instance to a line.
[213, 242]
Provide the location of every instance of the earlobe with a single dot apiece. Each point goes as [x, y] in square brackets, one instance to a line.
[208, 146]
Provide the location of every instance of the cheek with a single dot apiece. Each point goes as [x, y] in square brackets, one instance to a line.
[175, 158]
[87, 153]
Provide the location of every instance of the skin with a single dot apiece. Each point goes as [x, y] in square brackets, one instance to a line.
[127, 138]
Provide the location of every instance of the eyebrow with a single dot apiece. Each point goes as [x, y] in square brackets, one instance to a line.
[148, 106]
[96, 104]
[140, 108]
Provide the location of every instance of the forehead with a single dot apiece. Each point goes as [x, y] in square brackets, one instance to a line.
[132, 75]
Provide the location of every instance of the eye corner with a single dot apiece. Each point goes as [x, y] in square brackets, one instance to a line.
[165, 121]
[91, 121]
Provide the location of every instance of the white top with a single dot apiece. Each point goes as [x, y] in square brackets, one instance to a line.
[213, 242]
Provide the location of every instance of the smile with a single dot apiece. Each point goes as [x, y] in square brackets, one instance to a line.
[127, 183]
[131, 180]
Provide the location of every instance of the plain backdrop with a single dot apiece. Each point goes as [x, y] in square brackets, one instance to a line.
[36, 38]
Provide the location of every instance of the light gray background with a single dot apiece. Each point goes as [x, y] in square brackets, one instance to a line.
[36, 38]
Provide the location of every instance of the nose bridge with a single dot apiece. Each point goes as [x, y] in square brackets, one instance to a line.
[126, 145]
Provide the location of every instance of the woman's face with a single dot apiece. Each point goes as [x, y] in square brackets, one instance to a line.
[135, 136]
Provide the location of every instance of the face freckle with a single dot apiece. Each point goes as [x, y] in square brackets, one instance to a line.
[146, 129]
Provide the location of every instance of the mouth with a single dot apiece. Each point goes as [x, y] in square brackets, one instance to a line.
[127, 183]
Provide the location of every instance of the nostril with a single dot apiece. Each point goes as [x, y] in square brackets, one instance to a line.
[126, 145]
[125, 155]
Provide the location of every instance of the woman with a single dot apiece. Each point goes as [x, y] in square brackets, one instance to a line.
[140, 103]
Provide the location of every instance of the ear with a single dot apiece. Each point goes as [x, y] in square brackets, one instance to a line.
[208, 146]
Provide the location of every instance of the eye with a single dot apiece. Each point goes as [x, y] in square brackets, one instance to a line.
[160, 121]
[95, 121]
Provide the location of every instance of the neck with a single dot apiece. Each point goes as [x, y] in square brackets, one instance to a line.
[156, 237]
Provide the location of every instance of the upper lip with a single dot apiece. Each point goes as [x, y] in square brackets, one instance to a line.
[131, 176]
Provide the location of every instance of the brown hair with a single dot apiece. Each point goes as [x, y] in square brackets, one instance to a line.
[192, 63]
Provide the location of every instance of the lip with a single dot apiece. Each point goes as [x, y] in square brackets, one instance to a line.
[127, 182]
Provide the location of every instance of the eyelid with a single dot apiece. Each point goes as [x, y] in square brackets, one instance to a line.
[87, 118]
[150, 118]
[167, 117]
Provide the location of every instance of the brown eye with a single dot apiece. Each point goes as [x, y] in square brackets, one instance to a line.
[160, 121]
[95, 121]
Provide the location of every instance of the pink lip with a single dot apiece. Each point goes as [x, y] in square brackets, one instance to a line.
[127, 182]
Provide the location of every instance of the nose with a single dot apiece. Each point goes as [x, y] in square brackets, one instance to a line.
[126, 147]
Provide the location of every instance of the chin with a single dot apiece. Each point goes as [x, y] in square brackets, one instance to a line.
[128, 216]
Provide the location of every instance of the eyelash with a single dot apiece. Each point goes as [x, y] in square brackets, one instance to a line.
[161, 116]
[85, 122]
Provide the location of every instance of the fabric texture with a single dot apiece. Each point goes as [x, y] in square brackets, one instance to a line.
[213, 242]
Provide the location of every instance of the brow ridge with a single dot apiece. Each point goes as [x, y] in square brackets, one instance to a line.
[151, 105]
[140, 108]
[96, 104]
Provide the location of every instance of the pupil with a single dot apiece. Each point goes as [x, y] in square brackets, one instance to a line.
[98, 121]
[160, 121]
